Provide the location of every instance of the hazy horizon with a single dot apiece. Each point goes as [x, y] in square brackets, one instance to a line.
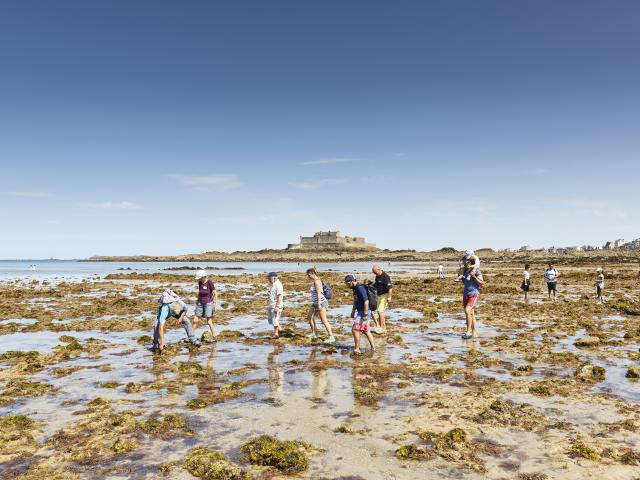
[164, 128]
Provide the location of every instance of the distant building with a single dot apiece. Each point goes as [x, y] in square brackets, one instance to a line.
[552, 250]
[526, 248]
[632, 244]
[618, 243]
[331, 241]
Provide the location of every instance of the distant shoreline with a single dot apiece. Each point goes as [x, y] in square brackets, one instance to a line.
[443, 255]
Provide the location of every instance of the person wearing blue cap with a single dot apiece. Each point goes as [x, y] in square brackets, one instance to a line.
[276, 300]
[361, 308]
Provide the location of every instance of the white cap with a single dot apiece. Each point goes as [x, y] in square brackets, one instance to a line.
[470, 253]
[200, 274]
[599, 270]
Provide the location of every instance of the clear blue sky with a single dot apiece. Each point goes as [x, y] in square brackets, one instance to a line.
[168, 127]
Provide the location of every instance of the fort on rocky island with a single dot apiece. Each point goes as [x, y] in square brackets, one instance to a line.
[331, 241]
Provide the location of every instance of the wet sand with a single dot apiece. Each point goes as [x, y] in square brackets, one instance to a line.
[84, 398]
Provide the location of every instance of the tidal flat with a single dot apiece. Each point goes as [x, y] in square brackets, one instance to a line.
[549, 390]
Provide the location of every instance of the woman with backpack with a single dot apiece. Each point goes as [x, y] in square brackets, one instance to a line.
[320, 294]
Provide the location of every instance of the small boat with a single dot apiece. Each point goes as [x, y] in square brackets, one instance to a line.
[33, 268]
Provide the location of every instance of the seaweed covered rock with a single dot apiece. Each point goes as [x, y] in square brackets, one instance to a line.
[579, 449]
[587, 342]
[633, 372]
[211, 465]
[288, 456]
[507, 413]
[415, 452]
[169, 426]
[590, 372]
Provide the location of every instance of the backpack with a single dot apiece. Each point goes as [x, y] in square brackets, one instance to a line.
[327, 291]
[372, 293]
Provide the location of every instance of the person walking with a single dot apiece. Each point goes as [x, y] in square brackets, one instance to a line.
[360, 313]
[551, 276]
[384, 288]
[319, 306]
[276, 303]
[440, 271]
[472, 279]
[526, 282]
[206, 305]
[599, 286]
[171, 306]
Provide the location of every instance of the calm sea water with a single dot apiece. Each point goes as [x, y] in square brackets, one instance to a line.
[74, 270]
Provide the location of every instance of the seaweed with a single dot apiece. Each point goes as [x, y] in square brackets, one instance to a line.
[288, 456]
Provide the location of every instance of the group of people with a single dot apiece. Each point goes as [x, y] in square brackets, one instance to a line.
[551, 275]
[370, 300]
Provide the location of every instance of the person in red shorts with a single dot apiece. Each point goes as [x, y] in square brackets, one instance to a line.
[472, 278]
[360, 313]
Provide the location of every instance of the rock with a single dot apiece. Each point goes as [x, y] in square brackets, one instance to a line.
[588, 371]
[633, 372]
[587, 342]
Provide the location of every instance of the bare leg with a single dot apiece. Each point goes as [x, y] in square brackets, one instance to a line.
[468, 312]
[383, 321]
[356, 340]
[370, 338]
[161, 334]
[325, 322]
[474, 333]
[312, 321]
[211, 327]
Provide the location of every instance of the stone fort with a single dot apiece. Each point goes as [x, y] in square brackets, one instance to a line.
[331, 241]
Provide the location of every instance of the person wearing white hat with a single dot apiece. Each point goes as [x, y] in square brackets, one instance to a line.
[600, 286]
[207, 301]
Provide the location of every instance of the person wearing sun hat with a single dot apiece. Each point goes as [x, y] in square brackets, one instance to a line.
[207, 301]
[599, 285]
[276, 300]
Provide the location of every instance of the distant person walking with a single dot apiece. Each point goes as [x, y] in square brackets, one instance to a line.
[276, 302]
[440, 271]
[600, 286]
[171, 306]
[526, 282]
[472, 278]
[551, 276]
[360, 313]
[384, 288]
[206, 305]
[319, 305]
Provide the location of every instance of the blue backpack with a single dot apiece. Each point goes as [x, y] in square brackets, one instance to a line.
[327, 291]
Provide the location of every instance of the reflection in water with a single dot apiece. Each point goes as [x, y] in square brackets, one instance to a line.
[275, 371]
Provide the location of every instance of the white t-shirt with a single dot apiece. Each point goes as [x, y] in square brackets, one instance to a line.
[551, 274]
[526, 276]
[275, 289]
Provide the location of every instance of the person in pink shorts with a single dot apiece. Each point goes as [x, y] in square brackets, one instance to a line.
[360, 313]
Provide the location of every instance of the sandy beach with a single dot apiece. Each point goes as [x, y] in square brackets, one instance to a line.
[83, 397]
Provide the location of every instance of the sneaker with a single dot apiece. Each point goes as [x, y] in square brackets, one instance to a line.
[378, 331]
[312, 335]
[331, 339]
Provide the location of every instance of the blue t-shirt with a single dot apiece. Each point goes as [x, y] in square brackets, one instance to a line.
[470, 285]
[165, 312]
[359, 297]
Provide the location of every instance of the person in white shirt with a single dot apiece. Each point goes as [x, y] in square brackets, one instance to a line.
[526, 282]
[440, 271]
[551, 276]
[276, 300]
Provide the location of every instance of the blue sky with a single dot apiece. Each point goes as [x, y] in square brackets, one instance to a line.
[158, 127]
